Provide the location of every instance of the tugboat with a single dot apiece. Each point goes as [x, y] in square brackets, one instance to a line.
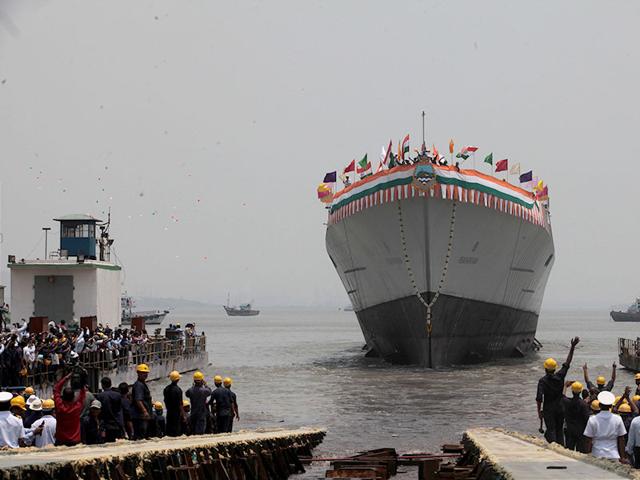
[243, 310]
[631, 315]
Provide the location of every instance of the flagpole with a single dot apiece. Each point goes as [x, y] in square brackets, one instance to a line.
[423, 128]
[474, 159]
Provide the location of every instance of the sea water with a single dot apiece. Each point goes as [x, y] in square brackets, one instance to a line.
[306, 367]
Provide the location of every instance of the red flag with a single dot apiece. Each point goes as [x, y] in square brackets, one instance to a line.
[471, 149]
[543, 194]
[387, 154]
[351, 167]
[502, 165]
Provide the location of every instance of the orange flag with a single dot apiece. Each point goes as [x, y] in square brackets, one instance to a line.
[451, 146]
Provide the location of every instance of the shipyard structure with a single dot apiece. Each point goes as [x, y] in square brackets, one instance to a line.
[78, 283]
[443, 266]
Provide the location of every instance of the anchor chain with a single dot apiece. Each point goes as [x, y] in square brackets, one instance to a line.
[407, 262]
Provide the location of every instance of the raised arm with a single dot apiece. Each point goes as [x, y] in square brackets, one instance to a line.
[613, 372]
[574, 342]
[585, 371]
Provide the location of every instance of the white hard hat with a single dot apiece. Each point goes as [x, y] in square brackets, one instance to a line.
[606, 398]
[5, 397]
[31, 399]
[36, 405]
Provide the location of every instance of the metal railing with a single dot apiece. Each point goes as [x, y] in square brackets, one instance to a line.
[156, 351]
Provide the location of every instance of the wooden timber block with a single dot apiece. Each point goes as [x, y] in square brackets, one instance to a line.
[380, 466]
[427, 469]
[452, 448]
[362, 473]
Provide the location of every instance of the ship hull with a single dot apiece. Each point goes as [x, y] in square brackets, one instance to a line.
[463, 331]
[625, 316]
[487, 261]
[234, 312]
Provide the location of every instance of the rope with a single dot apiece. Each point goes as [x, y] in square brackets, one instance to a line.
[407, 263]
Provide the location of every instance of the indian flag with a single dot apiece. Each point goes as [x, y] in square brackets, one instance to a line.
[404, 147]
[364, 167]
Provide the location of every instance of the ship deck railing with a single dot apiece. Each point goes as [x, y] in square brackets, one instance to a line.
[158, 350]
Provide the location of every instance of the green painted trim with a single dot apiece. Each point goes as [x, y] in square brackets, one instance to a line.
[63, 265]
[374, 189]
[483, 189]
[441, 180]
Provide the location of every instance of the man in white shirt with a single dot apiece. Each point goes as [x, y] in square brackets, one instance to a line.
[605, 432]
[12, 432]
[46, 425]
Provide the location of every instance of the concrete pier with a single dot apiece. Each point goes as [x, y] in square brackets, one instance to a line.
[506, 455]
[256, 455]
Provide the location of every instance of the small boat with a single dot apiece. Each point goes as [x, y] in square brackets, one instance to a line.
[631, 315]
[152, 317]
[244, 310]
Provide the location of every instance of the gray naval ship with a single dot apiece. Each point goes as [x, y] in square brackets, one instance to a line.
[443, 266]
[631, 314]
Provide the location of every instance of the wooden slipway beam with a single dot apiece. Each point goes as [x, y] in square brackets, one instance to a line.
[260, 454]
[509, 455]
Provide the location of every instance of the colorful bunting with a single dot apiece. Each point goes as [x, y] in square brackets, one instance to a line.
[350, 168]
[404, 148]
[330, 177]
[526, 176]
[502, 165]
[364, 167]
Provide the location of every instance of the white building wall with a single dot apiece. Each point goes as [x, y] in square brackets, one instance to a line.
[109, 292]
[96, 291]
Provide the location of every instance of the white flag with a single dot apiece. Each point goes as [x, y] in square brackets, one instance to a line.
[515, 169]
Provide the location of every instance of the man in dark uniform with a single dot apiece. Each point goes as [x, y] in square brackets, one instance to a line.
[601, 383]
[234, 402]
[141, 400]
[221, 405]
[111, 411]
[198, 395]
[576, 415]
[173, 402]
[549, 396]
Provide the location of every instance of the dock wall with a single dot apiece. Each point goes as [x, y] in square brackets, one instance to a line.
[255, 455]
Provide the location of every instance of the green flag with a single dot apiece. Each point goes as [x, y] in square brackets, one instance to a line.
[363, 163]
[464, 156]
[489, 159]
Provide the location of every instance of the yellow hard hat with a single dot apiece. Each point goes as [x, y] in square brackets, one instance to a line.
[217, 379]
[185, 403]
[158, 405]
[550, 364]
[48, 404]
[19, 402]
[637, 376]
[595, 406]
[635, 398]
[624, 408]
[174, 376]
[601, 380]
[29, 391]
[143, 367]
[576, 387]
[227, 382]
[198, 376]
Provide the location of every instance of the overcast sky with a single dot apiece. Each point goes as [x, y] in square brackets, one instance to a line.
[206, 127]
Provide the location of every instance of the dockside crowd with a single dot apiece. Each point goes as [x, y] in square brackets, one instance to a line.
[39, 356]
[74, 415]
[588, 417]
